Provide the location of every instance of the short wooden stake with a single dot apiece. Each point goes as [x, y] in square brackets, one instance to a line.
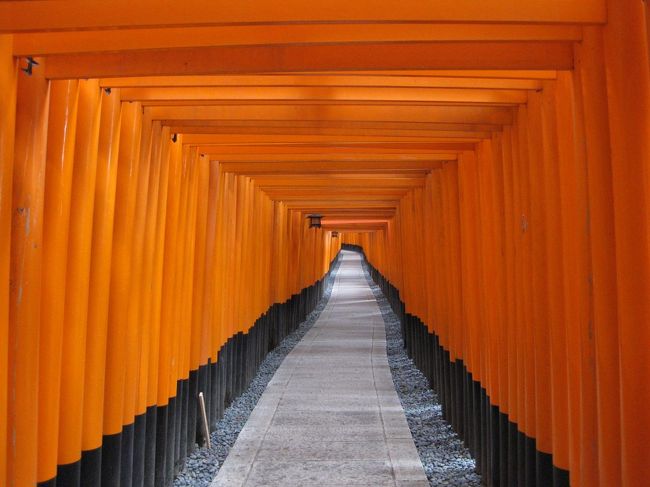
[204, 421]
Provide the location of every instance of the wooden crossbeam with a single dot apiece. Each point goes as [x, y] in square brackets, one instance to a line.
[528, 80]
[47, 43]
[345, 113]
[332, 57]
[151, 96]
[44, 15]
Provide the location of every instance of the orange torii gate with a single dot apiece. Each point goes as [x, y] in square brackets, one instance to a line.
[158, 162]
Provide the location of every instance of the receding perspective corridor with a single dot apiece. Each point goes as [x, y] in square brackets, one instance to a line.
[330, 415]
[333, 242]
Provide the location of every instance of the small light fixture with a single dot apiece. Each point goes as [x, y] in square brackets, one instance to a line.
[174, 138]
[314, 220]
[335, 234]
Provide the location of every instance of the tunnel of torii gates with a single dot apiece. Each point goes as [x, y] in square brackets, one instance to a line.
[158, 164]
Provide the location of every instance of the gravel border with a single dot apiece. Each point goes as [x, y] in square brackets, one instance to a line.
[203, 464]
[445, 459]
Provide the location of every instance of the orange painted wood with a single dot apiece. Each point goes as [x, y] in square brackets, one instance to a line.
[26, 267]
[120, 284]
[78, 272]
[510, 230]
[62, 124]
[598, 437]
[555, 284]
[41, 15]
[628, 92]
[136, 322]
[323, 57]
[202, 271]
[8, 72]
[530, 405]
[155, 313]
[506, 200]
[42, 43]
[149, 329]
[341, 113]
[100, 271]
[540, 157]
[577, 269]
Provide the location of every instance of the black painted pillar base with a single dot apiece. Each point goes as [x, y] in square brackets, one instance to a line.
[504, 455]
[151, 451]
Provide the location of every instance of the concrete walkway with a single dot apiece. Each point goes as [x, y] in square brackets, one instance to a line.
[330, 415]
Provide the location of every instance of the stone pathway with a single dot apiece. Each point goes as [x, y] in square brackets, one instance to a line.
[330, 415]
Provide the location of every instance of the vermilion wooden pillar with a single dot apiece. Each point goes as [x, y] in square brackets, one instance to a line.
[99, 285]
[8, 71]
[29, 160]
[120, 287]
[628, 93]
[77, 282]
[58, 188]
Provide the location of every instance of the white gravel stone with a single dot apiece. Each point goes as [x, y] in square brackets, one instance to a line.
[203, 464]
[445, 459]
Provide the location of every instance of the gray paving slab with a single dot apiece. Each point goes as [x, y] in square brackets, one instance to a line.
[330, 415]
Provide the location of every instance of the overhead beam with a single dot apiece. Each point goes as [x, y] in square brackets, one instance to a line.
[324, 204]
[329, 222]
[366, 149]
[462, 73]
[358, 230]
[331, 166]
[347, 113]
[299, 139]
[334, 57]
[295, 126]
[464, 132]
[325, 186]
[45, 15]
[414, 80]
[354, 213]
[44, 43]
[367, 161]
[328, 94]
[346, 211]
[343, 196]
[358, 178]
